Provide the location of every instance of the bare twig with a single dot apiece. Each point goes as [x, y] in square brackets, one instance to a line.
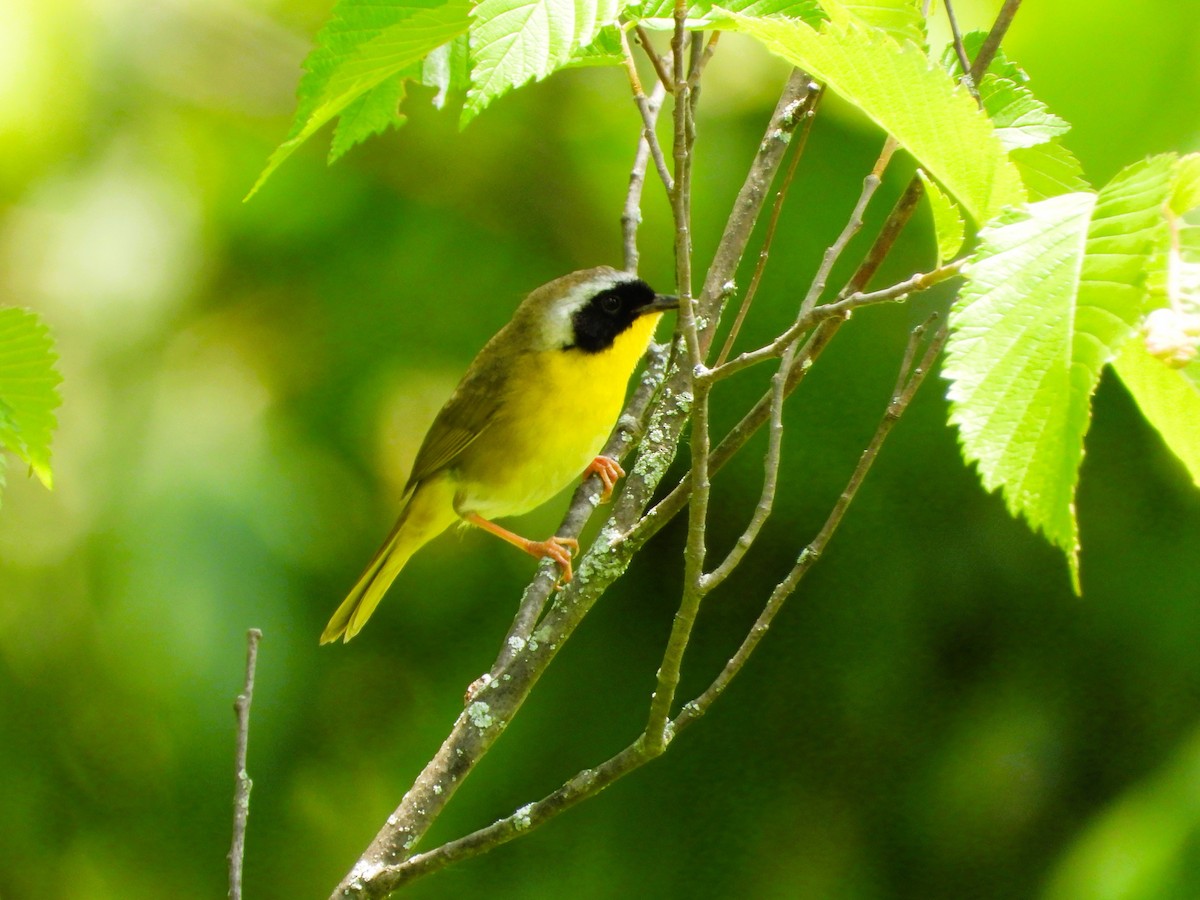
[241, 794]
[693, 571]
[809, 113]
[631, 216]
[660, 69]
[961, 50]
[907, 384]
[894, 293]
[648, 120]
[698, 69]
[987, 50]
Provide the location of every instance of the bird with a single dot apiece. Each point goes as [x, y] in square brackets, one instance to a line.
[532, 411]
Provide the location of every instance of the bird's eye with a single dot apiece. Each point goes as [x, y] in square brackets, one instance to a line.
[610, 303]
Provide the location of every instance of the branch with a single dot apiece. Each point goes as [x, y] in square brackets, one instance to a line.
[809, 112]
[648, 120]
[478, 727]
[631, 216]
[961, 51]
[241, 794]
[895, 293]
[907, 384]
[590, 782]
[664, 77]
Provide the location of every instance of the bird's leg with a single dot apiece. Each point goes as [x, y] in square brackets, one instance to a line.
[557, 548]
[609, 471]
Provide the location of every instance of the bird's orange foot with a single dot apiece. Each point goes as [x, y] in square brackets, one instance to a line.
[609, 471]
[560, 550]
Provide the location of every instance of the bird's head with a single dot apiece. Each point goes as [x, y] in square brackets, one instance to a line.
[587, 310]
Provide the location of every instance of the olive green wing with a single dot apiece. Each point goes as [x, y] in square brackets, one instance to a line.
[468, 413]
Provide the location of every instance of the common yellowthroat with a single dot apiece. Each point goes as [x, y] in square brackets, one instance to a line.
[531, 413]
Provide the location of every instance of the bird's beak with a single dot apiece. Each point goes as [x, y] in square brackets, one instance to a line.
[660, 303]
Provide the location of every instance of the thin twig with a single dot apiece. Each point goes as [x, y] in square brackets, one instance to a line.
[693, 571]
[241, 793]
[631, 216]
[801, 141]
[698, 69]
[907, 384]
[991, 43]
[961, 50]
[648, 120]
[660, 69]
[894, 293]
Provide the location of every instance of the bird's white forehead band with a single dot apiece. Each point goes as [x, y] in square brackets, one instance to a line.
[558, 330]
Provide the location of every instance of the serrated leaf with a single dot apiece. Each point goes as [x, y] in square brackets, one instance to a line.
[1185, 194]
[28, 389]
[896, 86]
[1020, 415]
[517, 41]
[364, 43]
[1021, 119]
[948, 225]
[605, 50]
[1000, 65]
[1048, 170]
[448, 70]
[1169, 399]
[902, 19]
[659, 15]
[1053, 291]
[373, 113]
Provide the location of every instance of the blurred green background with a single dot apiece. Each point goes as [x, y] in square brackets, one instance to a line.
[934, 716]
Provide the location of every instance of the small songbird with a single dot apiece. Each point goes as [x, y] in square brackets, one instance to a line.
[531, 413]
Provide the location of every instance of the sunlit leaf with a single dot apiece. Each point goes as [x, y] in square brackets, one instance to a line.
[1000, 65]
[902, 19]
[28, 389]
[364, 44]
[1048, 170]
[372, 113]
[1169, 398]
[1021, 119]
[1185, 195]
[660, 14]
[916, 102]
[517, 41]
[948, 225]
[1053, 291]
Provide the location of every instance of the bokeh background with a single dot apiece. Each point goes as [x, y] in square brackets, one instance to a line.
[934, 716]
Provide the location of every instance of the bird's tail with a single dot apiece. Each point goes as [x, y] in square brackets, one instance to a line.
[406, 538]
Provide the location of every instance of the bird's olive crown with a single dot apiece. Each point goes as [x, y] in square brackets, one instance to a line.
[608, 312]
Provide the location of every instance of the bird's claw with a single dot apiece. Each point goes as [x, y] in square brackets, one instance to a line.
[609, 472]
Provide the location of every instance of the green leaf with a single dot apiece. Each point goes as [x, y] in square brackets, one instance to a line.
[896, 86]
[1000, 65]
[1021, 119]
[1048, 170]
[1053, 291]
[1185, 195]
[28, 389]
[660, 14]
[948, 223]
[372, 113]
[517, 41]
[364, 44]
[1169, 399]
[902, 19]
[1020, 415]
[605, 50]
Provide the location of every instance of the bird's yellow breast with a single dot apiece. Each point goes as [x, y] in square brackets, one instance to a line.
[558, 409]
